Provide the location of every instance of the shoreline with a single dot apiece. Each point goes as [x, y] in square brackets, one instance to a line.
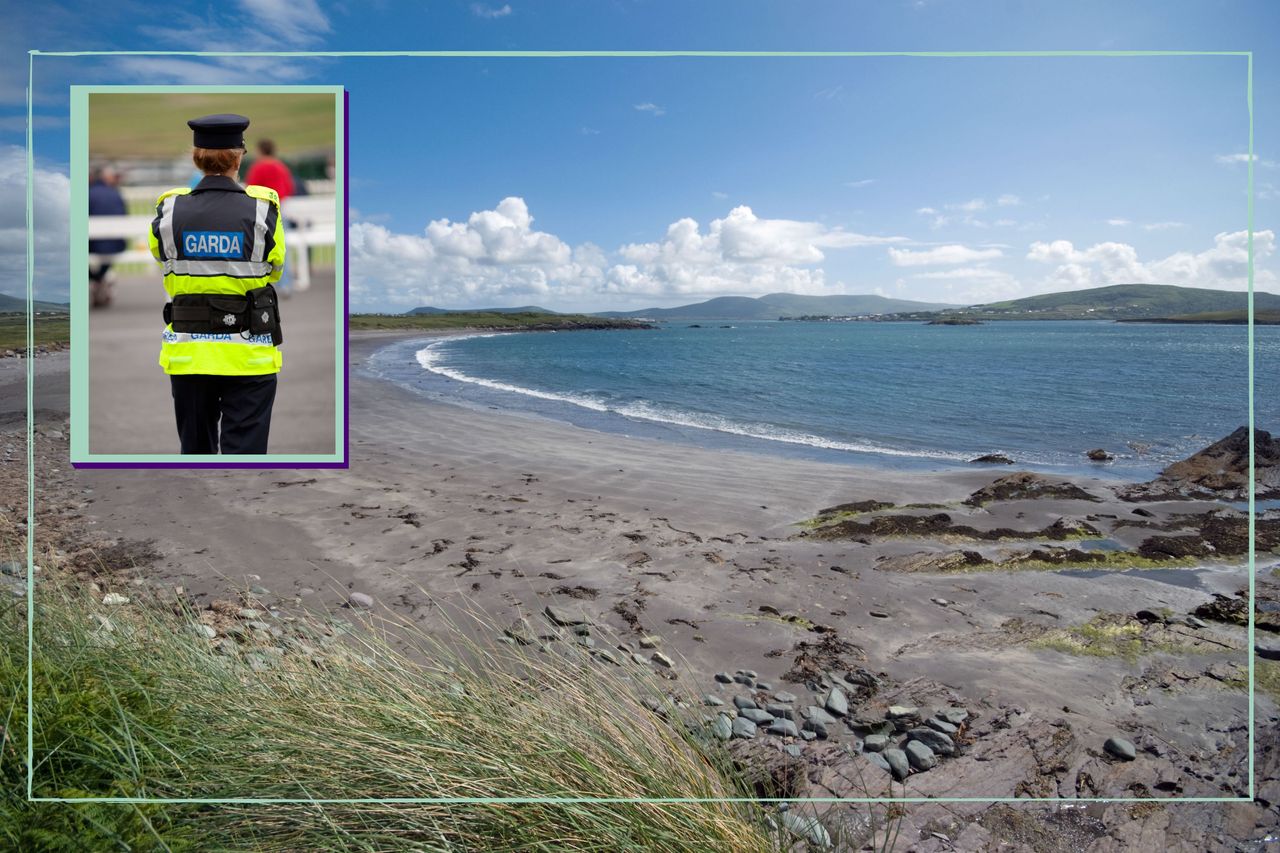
[446, 506]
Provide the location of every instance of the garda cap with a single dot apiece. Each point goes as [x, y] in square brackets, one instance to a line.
[225, 130]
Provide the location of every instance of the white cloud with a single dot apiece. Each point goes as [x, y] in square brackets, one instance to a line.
[954, 254]
[719, 195]
[51, 191]
[865, 182]
[830, 93]
[1224, 266]
[1008, 200]
[964, 212]
[652, 109]
[1163, 226]
[1120, 222]
[1233, 159]
[971, 206]
[589, 131]
[294, 22]
[482, 10]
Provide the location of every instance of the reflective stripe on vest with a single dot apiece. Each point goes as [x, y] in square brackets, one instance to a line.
[188, 270]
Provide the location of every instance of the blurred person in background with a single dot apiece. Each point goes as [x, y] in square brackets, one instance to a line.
[270, 171]
[104, 200]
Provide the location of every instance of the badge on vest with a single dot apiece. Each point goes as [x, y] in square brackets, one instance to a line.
[213, 244]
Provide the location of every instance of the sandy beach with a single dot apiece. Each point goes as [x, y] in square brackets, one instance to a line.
[706, 556]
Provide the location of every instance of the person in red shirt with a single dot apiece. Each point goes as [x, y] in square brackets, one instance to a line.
[269, 171]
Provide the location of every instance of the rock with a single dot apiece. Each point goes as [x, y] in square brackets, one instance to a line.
[935, 740]
[941, 602]
[813, 712]
[899, 766]
[879, 761]
[1024, 485]
[837, 703]
[807, 828]
[785, 728]
[360, 599]
[521, 631]
[875, 743]
[756, 715]
[562, 617]
[817, 728]
[784, 696]
[722, 727]
[744, 728]
[113, 599]
[745, 679]
[750, 673]
[992, 459]
[920, 756]
[1120, 748]
[941, 726]
[201, 630]
[743, 702]
[724, 678]
[249, 613]
[662, 660]
[795, 750]
[807, 735]
[1099, 455]
[878, 614]
[785, 712]
[954, 716]
[763, 685]
[713, 700]
[1196, 622]
[900, 712]
[1220, 470]
[649, 642]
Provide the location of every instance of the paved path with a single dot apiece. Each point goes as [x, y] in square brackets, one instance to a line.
[130, 406]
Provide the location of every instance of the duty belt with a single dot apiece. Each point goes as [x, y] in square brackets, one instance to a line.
[256, 312]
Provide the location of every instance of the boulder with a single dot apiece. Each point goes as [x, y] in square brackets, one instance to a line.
[1099, 455]
[920, 756]
[1220, 470]
[898, 763]
[1120, 748]
[992, 459]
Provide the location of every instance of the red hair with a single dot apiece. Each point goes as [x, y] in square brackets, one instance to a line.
[216, 161]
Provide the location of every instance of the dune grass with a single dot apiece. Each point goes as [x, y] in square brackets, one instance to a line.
[139, 705]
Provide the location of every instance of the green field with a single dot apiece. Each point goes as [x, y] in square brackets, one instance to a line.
[131, 126]
[48, 330]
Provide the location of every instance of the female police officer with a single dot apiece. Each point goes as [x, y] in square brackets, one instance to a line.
[221, 246]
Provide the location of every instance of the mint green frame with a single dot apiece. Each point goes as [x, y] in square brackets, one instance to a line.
[1247, 55]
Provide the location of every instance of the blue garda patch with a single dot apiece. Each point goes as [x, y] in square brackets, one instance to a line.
[213, 244]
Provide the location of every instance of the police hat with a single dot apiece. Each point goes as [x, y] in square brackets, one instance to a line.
[225, 130]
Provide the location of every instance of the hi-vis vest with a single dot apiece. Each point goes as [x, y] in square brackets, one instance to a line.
[219, 238]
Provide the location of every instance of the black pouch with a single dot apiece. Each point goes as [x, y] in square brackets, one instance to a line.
[264, 313]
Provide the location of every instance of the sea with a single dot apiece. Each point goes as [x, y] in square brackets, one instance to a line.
[894, 395]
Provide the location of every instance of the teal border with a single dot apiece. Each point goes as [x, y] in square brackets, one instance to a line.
[80, 367]
[1248, 55]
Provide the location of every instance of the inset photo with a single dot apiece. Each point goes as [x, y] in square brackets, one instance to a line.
[208, 310]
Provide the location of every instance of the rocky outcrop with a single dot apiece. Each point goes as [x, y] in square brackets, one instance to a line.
[1024, 485]
[1219, 472]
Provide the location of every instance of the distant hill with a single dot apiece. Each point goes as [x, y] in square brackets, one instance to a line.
[524, 309]
[775, 305]
[1124, 302]
[18, 305]
[1261, 317]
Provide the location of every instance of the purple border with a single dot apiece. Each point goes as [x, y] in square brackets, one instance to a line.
[346, 343]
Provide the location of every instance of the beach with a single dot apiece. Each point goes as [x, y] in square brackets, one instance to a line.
[705, 556]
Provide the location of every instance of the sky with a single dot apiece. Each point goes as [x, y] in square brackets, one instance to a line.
[626, 183]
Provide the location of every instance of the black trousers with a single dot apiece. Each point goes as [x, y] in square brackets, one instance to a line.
[241, 403]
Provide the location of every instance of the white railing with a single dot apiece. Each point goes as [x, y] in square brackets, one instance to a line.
[314, 217]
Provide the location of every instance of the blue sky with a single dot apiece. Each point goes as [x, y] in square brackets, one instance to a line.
[625, 183]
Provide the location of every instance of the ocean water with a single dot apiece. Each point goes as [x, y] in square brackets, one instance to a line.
[900, 395]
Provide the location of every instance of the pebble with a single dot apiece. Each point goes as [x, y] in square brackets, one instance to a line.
[785, 712]
[817, 728]
[920, 756]
[114, 598]
[1120, 748]
[941, 602]
[954, 716]
[743, 678]
[784, 696]
[899, 766]
[559, 616]
[897, 712]
[360, 599]
[763, 685]
[649, 642]
[935, 740]
[744, 728]
[249, 613]
[786, 728]
[813, 712]
[749, 673]
[836, 702]
[805, 734]
[756, 716]
[941, 726]
[1196, 622]
[794, 750]
[741, 702]
[879, 761]
[639, 659]
[203, 630]
[875, 743]
[807, 828]
[712, 700]
[724, 678]
[722, 728]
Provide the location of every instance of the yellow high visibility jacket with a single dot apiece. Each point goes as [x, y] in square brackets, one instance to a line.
[218, 238]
